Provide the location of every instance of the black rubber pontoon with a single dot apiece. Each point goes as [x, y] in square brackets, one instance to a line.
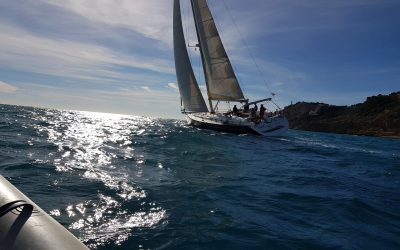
[24, 225]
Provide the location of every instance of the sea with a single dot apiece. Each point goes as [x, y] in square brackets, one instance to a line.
[132, 182]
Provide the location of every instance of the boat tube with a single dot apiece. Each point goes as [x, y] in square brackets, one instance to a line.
[24, 225]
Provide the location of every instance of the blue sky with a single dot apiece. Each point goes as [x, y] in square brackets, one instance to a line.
[117, 56]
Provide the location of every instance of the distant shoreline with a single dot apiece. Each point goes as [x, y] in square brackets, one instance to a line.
[377, 116]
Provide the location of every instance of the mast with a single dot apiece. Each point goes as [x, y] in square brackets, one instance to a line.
[202, 60]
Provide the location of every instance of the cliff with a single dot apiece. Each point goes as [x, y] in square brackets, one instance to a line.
[377, 116]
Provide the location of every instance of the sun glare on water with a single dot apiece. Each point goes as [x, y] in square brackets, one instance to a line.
[90, 144]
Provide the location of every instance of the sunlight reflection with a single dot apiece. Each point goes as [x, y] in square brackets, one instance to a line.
[93, 145]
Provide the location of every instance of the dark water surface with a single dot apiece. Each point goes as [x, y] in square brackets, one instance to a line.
[126, 182]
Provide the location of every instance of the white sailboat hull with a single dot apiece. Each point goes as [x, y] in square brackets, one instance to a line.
[271, 126]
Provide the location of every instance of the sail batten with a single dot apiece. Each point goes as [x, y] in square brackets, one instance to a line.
[189, 90]
[222, 83]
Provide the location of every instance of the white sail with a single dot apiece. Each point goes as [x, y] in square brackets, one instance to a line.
[222, 83]
[192, 98]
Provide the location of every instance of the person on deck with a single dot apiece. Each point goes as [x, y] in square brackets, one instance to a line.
[255, 107]
[235, 110]
[246, 108]
[262, 111]
[253, 113]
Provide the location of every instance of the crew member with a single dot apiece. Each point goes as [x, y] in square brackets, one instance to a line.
[262, 111]
[246, 108]
[235, 110]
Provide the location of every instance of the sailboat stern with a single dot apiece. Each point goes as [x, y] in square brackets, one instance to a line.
[273, 126]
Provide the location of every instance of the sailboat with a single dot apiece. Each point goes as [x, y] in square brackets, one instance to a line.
[221, 82]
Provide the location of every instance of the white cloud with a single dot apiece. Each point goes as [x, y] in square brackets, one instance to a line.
[151, 18]
[7, 88]
[146, 88]
[172, 85]
[23, 51]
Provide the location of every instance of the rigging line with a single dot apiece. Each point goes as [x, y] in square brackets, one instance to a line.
[189, 20]
[185, 19]
[192, 54]
[199, 75]
[248, 49]
[279, 108]
[195, 60]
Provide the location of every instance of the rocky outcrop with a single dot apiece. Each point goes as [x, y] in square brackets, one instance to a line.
[377, 116]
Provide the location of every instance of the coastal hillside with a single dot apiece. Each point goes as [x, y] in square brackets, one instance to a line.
[377, 116]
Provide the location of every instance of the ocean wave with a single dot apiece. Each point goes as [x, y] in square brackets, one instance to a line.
[120, 182]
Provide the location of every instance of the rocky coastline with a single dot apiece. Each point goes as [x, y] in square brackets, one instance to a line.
[377, 116]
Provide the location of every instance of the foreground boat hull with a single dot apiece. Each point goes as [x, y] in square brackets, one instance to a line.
[273, 126]
[24, 225]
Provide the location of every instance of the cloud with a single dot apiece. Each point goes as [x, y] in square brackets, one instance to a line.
[23, 51]
[101, 63]
[172, 85]
[146, 88]
[7, 88]
[151, 18]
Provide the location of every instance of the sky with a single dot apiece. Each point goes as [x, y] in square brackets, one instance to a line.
[116, 56]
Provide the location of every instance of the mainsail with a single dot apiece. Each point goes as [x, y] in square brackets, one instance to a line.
[221, 81]
[191, 96]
